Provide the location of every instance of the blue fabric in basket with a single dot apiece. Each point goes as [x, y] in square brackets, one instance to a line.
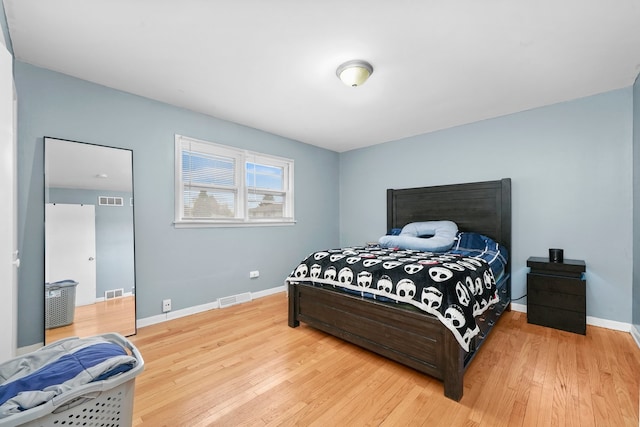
[64, 369]
[38, 377]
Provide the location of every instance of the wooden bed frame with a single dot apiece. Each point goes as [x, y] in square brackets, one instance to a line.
[409, 337]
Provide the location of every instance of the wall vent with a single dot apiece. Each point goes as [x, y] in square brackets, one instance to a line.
[234, 299]
[110, 201]
[113, 293]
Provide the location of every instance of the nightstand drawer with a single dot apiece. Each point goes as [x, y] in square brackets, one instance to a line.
[557, 284]
[567, 294]
[571, 321]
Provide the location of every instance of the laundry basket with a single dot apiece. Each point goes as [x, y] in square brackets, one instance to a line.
[60, 300]
[105, 403]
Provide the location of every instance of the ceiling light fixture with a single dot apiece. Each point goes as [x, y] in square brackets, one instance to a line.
[354, 73]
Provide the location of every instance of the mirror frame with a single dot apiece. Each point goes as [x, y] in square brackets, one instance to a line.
[46, 199]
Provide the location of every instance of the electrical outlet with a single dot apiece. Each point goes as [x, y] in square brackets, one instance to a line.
[166, 305]
[254, 274]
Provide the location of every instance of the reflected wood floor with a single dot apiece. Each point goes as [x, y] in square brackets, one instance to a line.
[243, 366]
[113, 315]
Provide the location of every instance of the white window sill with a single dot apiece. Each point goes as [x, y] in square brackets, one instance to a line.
[227, 224]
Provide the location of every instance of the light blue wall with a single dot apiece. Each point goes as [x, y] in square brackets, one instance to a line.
[571, 170]
[114, 236]
[636, 203]
[190, 266]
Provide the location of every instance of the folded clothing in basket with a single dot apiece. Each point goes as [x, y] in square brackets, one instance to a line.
[38, 377]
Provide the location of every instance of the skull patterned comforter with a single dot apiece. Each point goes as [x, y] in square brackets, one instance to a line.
[454, 287]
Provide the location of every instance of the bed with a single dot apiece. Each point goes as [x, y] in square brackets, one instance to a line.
[398, 331]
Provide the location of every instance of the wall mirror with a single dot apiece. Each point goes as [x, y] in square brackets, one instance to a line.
[89, 284]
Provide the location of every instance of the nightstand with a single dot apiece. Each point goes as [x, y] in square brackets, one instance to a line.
[556, 294]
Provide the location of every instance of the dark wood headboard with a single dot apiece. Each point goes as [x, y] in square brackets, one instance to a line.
[483, 207]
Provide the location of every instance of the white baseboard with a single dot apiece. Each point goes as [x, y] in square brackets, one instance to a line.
[609, 324]
[522, 308]
[635, 334]
[594, 321]
[147, 321]
[268, 292]
[126, 294]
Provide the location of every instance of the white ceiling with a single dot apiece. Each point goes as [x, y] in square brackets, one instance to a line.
[271, 64]
[74, 165]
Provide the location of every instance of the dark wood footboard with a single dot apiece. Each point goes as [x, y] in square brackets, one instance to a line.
[412, 338]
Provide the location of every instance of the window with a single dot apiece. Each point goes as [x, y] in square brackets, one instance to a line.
[221, 185]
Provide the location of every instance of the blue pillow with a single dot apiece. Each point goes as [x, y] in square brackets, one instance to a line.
[441, 234]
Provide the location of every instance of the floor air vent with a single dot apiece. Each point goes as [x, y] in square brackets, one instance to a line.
[113, 293]
[234, 299]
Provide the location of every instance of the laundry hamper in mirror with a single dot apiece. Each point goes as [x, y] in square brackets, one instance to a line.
[60, 300]
[104, 403]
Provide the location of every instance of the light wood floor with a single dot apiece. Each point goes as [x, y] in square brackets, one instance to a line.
[113, 315]
[243, 366]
